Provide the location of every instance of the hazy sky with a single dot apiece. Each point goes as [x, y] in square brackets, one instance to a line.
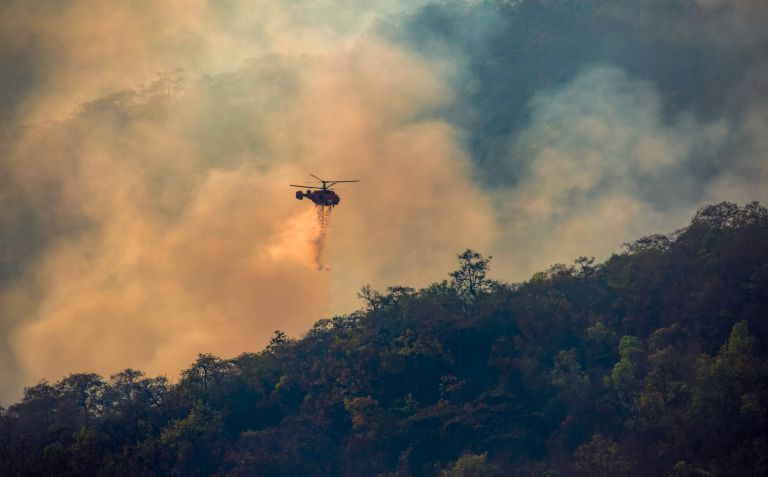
[146, 148]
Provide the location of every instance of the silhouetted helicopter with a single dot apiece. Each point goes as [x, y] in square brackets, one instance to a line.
[322, 195]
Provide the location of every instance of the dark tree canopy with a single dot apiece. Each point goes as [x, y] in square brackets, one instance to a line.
[652, 363]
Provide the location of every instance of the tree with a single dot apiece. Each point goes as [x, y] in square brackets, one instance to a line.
[586, 268]
[279, 339]
[82, 391]
[567, 375]
[730, 215]
[469, 280]
[193, 443]
[655, 242]
[373, 299]
[209, 375]
[624, 374]
[470, 465]
[601, 457]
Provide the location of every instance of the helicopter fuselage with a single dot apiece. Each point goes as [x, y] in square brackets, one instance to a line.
[320, 196]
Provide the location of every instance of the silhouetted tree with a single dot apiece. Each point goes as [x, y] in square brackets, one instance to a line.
[469, 280]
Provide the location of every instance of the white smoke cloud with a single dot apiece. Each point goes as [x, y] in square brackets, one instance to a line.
[602, 156]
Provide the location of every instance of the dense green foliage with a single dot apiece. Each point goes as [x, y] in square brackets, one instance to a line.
[652, 363]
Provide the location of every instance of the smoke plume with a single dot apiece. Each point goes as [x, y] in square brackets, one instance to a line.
[146, 150]
[151, 223]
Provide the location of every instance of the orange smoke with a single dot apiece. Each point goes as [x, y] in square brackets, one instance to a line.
[167, 225]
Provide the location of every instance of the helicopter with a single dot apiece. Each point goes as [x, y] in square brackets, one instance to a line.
[322, 195]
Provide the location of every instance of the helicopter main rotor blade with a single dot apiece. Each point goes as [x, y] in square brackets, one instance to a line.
[317, 178]
[337, 182]
[302, 186]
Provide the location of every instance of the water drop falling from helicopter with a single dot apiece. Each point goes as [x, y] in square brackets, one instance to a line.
[323, 225]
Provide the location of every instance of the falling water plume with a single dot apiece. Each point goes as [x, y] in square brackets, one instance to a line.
[323, 223]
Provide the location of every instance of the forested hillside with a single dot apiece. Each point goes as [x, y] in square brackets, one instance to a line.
[651, 363]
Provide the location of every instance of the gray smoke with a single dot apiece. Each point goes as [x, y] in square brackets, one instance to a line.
[144, 210]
